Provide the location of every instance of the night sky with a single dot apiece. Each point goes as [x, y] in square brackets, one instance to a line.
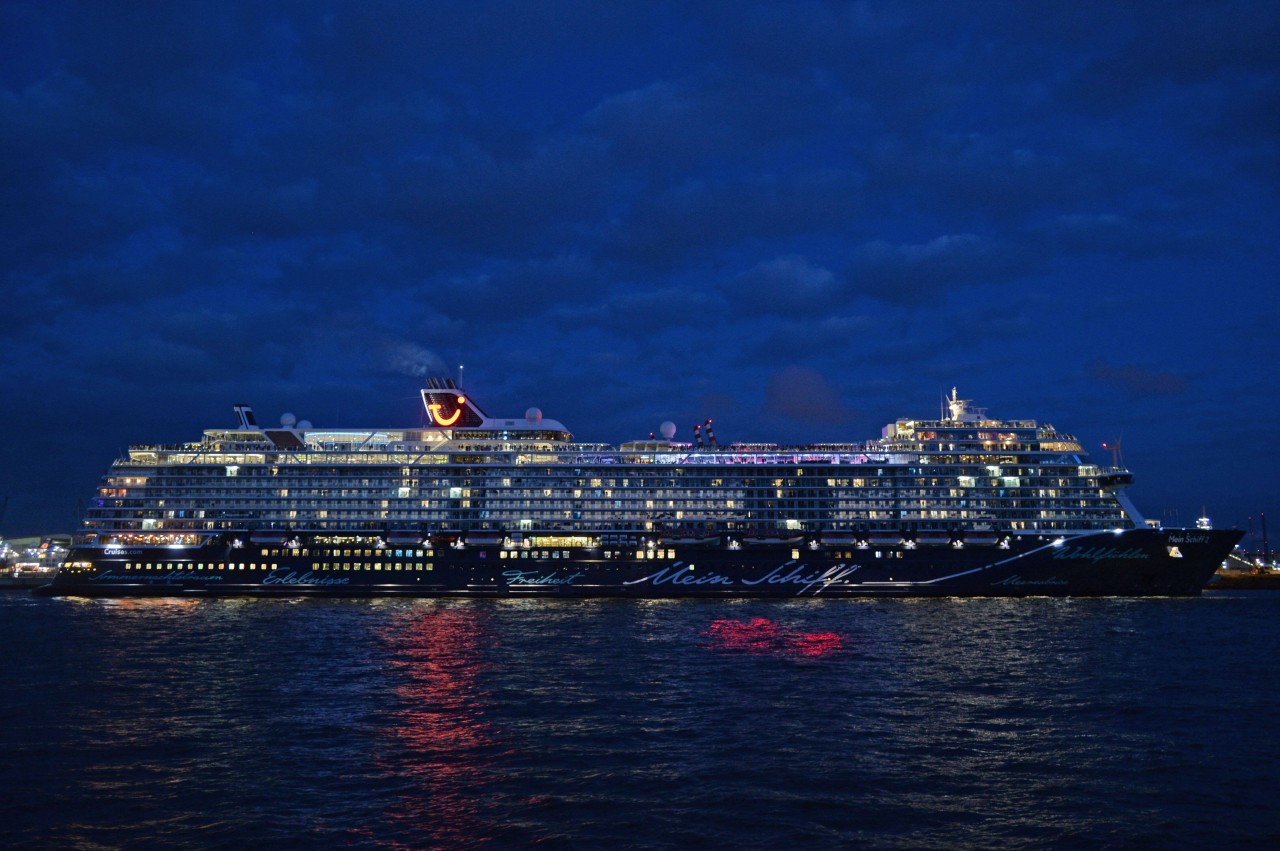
[804, 220]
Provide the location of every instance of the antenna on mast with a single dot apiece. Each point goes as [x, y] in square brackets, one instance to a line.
[1117, 457]
[1266, 546]
[460, 384]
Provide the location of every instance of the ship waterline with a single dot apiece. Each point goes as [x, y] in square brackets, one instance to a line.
[468, 505]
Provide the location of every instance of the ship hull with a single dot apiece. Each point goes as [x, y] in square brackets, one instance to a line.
[1136, 562]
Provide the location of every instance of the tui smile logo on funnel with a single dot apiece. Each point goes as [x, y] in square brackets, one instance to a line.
[441, 419]
[446, 410]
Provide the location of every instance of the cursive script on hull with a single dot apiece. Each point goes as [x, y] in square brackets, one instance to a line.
[1019, 581]
[1097, 554]
[804, 579]
[533, 577]
[285, 576]
[156, 579]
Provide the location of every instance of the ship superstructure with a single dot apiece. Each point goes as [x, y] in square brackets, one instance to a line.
[474, 500]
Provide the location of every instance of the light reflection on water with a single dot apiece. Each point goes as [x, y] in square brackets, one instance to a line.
[766, 637]
[439, 741]
[657, 724]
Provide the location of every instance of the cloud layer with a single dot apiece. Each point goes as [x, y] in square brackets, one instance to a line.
[637, 212]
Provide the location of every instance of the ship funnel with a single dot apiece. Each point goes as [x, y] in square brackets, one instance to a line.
[245, 415]
[447, 406]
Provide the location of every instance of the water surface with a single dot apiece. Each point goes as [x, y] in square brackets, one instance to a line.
[582, 724]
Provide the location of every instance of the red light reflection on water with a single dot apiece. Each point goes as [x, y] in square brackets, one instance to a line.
[764, 637]
[439, 740]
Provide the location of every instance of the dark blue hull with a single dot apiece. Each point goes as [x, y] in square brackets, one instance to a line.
[1136, 562]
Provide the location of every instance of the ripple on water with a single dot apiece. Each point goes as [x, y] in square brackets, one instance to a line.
[657, 724]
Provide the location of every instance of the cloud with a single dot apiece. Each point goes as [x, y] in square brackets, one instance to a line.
[1190, 46]
[803, 394]
[1137, 381]
[642, 313]
[787, 284]
[515, 291]
[643, 202]
[1123, 236]
[988, 177]
[924, 273]
[502, 204]
[698, 219]
[800, 338]
[406, 358]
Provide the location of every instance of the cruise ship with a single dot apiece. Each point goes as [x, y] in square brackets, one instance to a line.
[469, 505]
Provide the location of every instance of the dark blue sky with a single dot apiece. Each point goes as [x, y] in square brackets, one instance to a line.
[803, 220]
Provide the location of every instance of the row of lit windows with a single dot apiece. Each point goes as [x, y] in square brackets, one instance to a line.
[377, 565]
[609, 554]
[639, 555]
[1017, 519]
[690, 491]
[200, 566]
[224, 566]
[747, 512]
[337, 481]
[345, 553]
[217, 508]
[648, 490]
[595, 523]
[318, 476]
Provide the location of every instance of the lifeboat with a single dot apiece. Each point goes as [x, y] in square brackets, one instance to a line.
[403, 538]
[933, 539]
[884, 539]
[689, 536]
[771, 537]
[268, 536]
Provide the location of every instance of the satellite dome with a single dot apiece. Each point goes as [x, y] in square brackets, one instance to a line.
[533, 416]
[287, 420]
[303, 425]
[668, 429]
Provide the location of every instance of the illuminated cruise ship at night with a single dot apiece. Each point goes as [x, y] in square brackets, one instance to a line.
[469, 505]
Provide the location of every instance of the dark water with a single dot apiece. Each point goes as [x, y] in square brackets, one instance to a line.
[898, 724]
